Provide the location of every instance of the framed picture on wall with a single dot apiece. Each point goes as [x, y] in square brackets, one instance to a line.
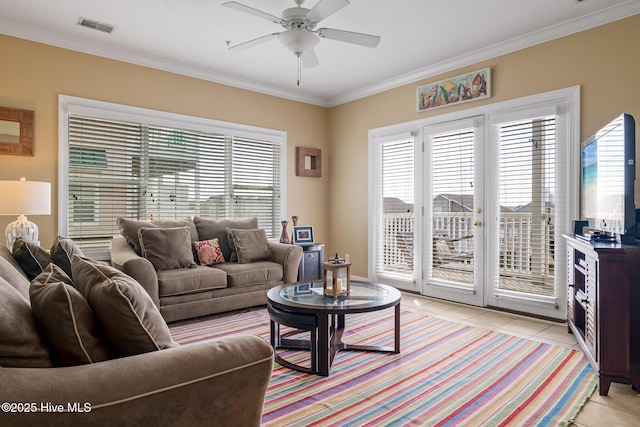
[303, 235]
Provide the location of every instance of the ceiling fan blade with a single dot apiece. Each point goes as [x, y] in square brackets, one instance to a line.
[242, 46]
[309, 59]
[251, 11]
[325, 8]
[361, 39]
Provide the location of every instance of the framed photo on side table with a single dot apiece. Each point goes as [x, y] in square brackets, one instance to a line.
[303, 235]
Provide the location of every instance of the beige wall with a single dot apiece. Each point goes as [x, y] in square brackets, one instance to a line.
[33, 74]
[603, 61]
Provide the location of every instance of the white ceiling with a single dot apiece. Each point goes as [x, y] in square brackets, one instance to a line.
[420, 38]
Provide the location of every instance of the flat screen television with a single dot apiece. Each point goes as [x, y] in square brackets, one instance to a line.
[607, 183]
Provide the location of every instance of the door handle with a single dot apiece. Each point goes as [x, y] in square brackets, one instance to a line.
[477, 223]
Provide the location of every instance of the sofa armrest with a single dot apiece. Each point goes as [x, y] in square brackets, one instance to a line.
[289, 257]
[220, 382]
[125, 259]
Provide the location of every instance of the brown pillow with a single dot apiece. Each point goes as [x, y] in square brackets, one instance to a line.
[66, 319]
[31, 257]
[167, 248]
[20, 343]
[130, 320]
[251, 245]
[212, 229]
[62, 251]
[129, 229]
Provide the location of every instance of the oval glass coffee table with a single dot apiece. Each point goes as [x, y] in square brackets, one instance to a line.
[304, 306]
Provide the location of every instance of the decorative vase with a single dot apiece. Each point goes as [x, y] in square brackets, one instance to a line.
[284, 236]
[294, 220]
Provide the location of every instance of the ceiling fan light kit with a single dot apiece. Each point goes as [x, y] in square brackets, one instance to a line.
[300, 36]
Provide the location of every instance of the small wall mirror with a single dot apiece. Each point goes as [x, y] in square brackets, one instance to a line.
[16, 131]
[308, 162]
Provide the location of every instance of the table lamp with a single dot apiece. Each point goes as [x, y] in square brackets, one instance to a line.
[24, 198]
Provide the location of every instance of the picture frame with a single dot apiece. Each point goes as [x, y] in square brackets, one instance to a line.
[16, 131]
[455, 90]
[303, 235]
[308, 162]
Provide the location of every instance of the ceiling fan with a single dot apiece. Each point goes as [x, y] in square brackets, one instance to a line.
[300, 35]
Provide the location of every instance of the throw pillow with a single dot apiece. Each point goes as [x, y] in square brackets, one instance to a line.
[129, 229]
[251, 245]
[130, 320]
[212, 228]
[62, 251]
[12, 272]
[66, 319]
[31, 257]
[208, 252]
[167, 248]
[20, 343]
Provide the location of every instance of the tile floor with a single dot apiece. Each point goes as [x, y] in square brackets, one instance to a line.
[620, 408]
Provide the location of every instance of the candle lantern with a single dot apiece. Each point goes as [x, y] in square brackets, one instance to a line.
[337, 277]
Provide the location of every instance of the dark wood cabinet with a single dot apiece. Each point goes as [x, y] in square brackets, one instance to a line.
[311, 264]
[603, 308]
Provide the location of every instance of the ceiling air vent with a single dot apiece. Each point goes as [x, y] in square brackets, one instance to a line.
[95, 25]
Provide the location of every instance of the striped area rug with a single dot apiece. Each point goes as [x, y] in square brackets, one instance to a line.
[447, 374]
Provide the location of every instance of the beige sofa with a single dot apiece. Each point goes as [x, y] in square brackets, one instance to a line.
[196, 290]
[215, 383]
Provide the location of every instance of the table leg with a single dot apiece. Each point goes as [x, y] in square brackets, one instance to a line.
[396, 346]
[323, 345]
[337, 329]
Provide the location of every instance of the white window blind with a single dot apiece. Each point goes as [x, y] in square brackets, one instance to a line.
[143, 171]
[452, 194]
[527, 179]
[395, 193]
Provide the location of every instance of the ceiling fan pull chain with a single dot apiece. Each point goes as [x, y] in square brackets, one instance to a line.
[299, 69]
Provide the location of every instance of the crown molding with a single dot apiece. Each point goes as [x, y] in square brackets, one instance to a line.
[146, 60]
[614, 13]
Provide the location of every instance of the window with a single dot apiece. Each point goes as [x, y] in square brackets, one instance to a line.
[149, 165]
[527, 176]
[394, 198]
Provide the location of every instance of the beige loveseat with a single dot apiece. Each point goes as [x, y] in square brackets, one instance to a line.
[214, 383]
[195, 290]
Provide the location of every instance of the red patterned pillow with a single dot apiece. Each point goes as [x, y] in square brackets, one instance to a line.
[209, 252]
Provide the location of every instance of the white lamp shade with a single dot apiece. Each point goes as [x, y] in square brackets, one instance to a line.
[298, 41]
[25, 198]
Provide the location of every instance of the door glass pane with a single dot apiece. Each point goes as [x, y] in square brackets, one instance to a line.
[452, 207]
[395, 253]
[527, 206]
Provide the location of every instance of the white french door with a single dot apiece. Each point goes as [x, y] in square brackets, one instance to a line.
[453, 238]
[526, 184]
[470, 206]
[491, 204]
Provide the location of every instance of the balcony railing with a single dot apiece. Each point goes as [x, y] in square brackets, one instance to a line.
[526, 246]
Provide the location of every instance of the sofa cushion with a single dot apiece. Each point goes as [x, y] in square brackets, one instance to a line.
[20, 343]
[62, 251]
[187, 281]
[212, 228]
[251, 274]
[167, 248]
[129, 228]
[12, 272]
[66, 319]
[130, 320]
[250, 245]
[31, 257]
[208, 252]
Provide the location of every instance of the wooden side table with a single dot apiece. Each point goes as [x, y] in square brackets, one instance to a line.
[310, 268]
